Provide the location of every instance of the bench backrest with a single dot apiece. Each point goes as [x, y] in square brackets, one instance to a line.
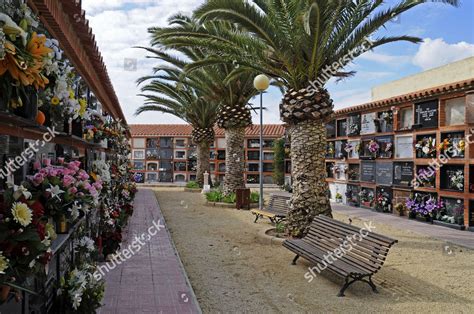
[367, 250]
[279, 203]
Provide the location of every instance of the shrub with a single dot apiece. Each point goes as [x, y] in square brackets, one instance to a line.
[254, 197]
[192, 185]
[214, 196]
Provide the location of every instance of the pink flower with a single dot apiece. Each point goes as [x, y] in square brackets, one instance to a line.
[98, 185]
[72, 190]
[82, 175]
[87, 185]
[60, 160]
[68, 180]
[38, 179]
[36, 165]
[47, 162]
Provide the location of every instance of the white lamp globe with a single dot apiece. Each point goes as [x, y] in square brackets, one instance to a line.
[261, 82]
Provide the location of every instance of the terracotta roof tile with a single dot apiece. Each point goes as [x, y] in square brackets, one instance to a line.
[151, 130]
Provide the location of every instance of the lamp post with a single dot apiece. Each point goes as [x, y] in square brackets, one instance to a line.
[261, 83]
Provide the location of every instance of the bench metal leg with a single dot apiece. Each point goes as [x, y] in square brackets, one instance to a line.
[256, 218]
[354, 279]
[295, 259]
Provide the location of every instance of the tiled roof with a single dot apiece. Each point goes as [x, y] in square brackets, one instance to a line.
[415, 96]
[138, 130]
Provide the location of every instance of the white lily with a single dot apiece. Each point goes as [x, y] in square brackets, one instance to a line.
[55, 191]
[11, 28]
[19, 190]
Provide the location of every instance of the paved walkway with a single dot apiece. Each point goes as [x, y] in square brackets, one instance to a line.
[153, 280]
[457, 237]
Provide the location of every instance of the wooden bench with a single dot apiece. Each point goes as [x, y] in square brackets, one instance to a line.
[277, 209]
[356, 260]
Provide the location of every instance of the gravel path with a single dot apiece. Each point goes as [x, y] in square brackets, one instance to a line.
[231, 273]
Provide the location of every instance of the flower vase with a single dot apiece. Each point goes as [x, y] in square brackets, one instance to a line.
[4, 292]
[62, 225]
[29, 110]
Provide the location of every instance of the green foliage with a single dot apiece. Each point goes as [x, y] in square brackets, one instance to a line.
[338, 196]
[280, 227]
[219, 197]
[254, 197]
[279, 162]
[192, 185]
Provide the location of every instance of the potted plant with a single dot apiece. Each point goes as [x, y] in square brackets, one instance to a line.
[338, 198]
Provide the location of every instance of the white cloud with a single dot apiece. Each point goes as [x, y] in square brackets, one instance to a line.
[433, 53]
[384, 58]
[119, 25]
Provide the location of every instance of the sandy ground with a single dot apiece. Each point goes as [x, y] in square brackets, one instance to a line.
[231, 273]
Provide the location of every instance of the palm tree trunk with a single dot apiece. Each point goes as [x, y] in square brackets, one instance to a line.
[234, 160]
[310, 189]
[203, 165]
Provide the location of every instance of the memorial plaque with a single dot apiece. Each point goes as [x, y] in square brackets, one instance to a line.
[331, 129]
[353, 125]
[341, 128]
[353, 150]
[367, 172]
[384, 175]
[367, 123]
[403, 173]
[426, 114]
[404, 146]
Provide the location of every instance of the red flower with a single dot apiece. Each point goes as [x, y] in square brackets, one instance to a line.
[38, 209]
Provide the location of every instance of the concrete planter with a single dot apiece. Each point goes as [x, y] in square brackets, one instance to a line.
[193, 190]
[226, 205]
[265, 236]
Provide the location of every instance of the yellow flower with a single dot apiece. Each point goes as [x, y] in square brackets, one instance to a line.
[55, 101]
[71, 94]
[22, 214]
[3, 263]
[462, 144]
[83, 104]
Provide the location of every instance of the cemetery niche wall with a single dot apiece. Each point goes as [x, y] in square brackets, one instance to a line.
[391, 148]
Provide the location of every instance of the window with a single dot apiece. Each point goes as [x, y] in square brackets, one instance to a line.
[253, 143]
[221, 155]
[139, 142]
[138, 154]
[253, 155]
[406, 118]
[268, 156]
[152, 166]
[253, 167]
[221, 143]
[166, 142]
[180, 143]
[180, 154]
[455, 110]
[267, 167]
[139, 165]
[180, 166]
[268, 143]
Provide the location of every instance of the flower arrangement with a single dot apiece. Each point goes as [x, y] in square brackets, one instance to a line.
[425, 206]
[383, 202]
[82, 292]
[384, 121]
[453, 147]
[330, 149]
[426, 148]
[426, 177]
[452, 213]
[338, 197]
[457, 180]
[23, 54]
[367, 197]
[354, 129]
[373, 147]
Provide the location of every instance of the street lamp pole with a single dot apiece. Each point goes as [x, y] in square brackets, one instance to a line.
[261, 83]
[260, 166]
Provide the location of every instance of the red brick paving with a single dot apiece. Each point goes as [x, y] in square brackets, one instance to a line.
[153, 280]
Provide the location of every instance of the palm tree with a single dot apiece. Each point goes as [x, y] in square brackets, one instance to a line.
[233, 93]
[301, 43]
[182, 96]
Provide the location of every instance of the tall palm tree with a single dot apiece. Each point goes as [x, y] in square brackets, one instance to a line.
[301, 43]
[182, 96]
[233, 93]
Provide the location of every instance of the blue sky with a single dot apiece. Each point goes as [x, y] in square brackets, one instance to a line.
[119, 25]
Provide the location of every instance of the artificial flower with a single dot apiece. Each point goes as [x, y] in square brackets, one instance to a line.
[55, 101]
[3, 263]
[19, 191]
[55, 191]
[22, 214]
